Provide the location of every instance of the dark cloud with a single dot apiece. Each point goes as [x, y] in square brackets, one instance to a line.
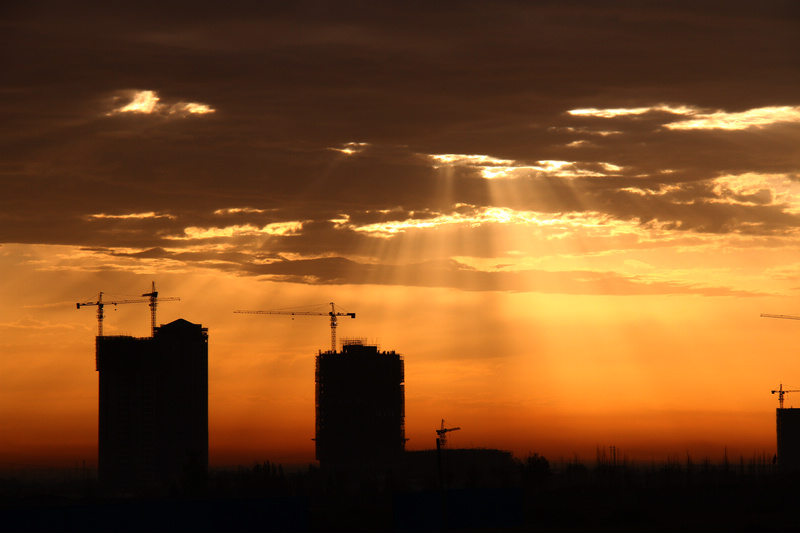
[291, 83]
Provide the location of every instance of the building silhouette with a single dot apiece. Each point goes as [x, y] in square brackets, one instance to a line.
[788, 426]
[360, 407]
[153, 412]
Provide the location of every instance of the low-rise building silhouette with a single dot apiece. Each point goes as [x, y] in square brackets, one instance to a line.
[153, 411]
[360, 407]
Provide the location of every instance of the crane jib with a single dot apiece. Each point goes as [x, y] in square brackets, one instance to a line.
[332, 314]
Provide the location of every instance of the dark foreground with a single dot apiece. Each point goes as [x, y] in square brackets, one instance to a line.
[752, 497]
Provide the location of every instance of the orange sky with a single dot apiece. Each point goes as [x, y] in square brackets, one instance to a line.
[655, 376]
[567, 219]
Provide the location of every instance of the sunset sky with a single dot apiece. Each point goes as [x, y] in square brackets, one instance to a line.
[567, 216]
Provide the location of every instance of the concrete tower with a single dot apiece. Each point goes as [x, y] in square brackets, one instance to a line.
[153, 412]
[360, 403]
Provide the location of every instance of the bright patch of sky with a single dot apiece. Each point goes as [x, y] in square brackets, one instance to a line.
[699, 119]
[238, 210]
[462, 159]
[763, 116]
[760, 188]
[149, 103]
[617, 112]
[493, 168]
[283, 228]
[150, 214]
[486, 215]
[243, 230]
[351, 148]
[663, 190]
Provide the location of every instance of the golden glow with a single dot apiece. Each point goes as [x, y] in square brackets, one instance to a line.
[351, 148]
[193, 232]
[662, 191]
[621, 112]
[143, 102]
[476, 217]
[752, 118]
[240, 230]
[238, 210]
[698, 119]
[195, 109]
[462, 159]
[491, 168]
[149, 103]
[150, 214]
[341, 221]
[283, 228]
[759, 189]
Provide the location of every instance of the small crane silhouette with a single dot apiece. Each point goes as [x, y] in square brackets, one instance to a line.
[441, 440]
[781, 392]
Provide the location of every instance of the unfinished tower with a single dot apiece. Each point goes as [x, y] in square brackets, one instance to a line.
[360, 403]
[788, 425]
[153, 412]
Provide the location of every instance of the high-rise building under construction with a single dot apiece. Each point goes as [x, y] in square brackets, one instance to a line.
[153, 412]
[788, 426]
[360, 407]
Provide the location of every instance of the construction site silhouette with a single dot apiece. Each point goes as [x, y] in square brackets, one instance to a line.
[153, 462]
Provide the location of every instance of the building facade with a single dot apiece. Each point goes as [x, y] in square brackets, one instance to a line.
[360, 407]
[153, 410]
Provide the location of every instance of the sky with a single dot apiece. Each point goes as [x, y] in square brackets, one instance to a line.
[566, 216]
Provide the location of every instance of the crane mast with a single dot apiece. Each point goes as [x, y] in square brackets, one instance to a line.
[153, 299]
[333, 314]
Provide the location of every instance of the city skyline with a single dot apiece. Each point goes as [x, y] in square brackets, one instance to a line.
[567, 217]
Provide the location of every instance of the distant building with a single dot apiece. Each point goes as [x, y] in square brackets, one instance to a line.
[788, 426]
[461, 468]
[153, 412]
[360, 403]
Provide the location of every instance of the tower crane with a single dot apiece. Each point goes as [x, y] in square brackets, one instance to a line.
[152, 300]
[441, 440]
[781, 392]
[332, 314]
[790, 317]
